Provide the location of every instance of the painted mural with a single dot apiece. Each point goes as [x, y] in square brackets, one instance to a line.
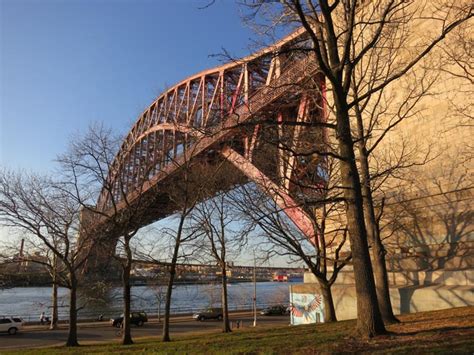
[306, 308]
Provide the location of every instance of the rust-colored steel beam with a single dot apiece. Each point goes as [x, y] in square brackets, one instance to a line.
[274, 191]
[205, 112]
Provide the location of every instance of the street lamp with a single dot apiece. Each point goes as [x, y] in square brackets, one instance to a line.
[254, 290]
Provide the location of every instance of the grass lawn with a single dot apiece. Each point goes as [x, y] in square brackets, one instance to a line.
[441, 332]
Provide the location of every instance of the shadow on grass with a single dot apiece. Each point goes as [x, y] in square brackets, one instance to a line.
[427, 336]
[433, 330]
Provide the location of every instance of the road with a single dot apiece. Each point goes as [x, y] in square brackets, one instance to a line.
[91, 333]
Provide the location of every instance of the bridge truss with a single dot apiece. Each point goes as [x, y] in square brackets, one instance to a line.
[234, 111]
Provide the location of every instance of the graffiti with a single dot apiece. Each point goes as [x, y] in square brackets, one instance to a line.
[306, 308]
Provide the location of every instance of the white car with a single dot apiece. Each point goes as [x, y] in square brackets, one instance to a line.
[10, 324]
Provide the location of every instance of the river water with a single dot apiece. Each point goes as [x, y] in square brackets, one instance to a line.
[29, 302]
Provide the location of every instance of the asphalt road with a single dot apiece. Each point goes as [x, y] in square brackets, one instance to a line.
[31, 337]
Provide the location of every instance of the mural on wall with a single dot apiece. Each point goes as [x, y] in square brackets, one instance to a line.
[306, 308]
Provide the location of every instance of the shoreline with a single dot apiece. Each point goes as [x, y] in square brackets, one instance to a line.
[137, 283]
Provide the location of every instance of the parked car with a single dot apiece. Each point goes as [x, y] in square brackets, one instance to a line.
[137, 318]
[210, 313]
[275, 310]
[11, 325]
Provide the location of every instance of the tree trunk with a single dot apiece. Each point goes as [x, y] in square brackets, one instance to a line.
[373, 232]
[172, 273]
[369, 320]
[169, 290]
[127, 336]
[72, 332]
[54, 306]
[378, 258]
[127, 299]
[329, 310]
[381, 281]
[225, 306]
[159, 310]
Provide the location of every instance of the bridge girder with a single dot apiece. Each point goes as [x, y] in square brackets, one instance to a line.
[214, 111]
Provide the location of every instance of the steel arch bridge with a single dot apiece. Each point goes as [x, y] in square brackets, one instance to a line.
[234, 112]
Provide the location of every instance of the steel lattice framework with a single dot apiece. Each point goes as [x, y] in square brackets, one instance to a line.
[221, 110]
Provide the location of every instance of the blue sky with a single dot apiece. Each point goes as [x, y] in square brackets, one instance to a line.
[67, 63]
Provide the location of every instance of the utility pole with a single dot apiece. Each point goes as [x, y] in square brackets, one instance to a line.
[254, 290]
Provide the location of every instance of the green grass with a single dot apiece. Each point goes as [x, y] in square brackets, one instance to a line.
[429, 332]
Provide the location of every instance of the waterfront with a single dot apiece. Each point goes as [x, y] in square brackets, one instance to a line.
[29, 302]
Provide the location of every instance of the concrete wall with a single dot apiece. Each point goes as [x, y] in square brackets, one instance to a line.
[411, 278]
[408, 299]
[410, 290]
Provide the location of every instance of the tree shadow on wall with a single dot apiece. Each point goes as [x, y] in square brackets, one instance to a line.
[432, 229]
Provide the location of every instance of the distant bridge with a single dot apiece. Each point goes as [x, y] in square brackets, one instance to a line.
[204, 267]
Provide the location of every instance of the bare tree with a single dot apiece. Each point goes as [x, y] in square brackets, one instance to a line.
[35, 205]
[216, 219]
[185, 195]
[160, 294]
[93, 162]
[52, 264]
[151, 248]
[381, 113]
[343, 34]
[325, 253]
[170, 246]
[175, 243]
[38, 256]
